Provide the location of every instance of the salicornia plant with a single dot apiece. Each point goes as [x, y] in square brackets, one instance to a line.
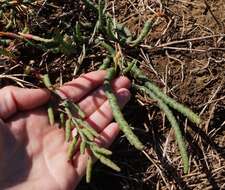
[112, 33]
[108, 34]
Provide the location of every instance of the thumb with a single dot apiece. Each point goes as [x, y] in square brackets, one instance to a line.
[13, 99]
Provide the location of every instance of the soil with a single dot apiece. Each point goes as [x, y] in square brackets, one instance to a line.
[185, 56]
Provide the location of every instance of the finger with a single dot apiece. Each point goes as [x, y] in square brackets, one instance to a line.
[78, 88]
[108, 135]
[14, 99]
[103, 116]
[92, 102]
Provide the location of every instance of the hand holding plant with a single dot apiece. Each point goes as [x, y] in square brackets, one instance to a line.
[34, 154]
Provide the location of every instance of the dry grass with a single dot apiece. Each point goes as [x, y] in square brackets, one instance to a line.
[184, 54]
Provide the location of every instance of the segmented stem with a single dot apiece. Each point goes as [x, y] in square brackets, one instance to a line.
[83, 142]
[71, 148]
[88, 134]
[106, 161]
[51, 116]
[110, 29]
[77, 33]
[73, 108]
[137, 73]
[108, 47]
[105, 64]
[118, 116]
[100, 13]
[47, 82]
[144, 32]
[68, 129]
[62, 120]
[89, 169]
[100, 150]
[82, 147]
[86, 126]
[174, 124]
[129, 67]
[174, 104]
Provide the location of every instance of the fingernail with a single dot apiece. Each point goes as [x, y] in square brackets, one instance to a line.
[123, 96]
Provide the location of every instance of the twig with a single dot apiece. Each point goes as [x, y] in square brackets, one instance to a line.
[183, 41]
[213, 15]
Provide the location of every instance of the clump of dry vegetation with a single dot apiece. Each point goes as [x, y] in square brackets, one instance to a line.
[183, 54]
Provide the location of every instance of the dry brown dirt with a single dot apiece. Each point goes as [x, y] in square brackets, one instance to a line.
[184, 55]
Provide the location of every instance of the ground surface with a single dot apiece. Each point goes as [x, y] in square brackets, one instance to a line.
[184, 55]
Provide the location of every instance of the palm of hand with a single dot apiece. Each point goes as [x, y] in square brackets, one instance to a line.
[33, 154]
[36, 152]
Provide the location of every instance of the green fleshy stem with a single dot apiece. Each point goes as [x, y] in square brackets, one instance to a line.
[124, 34]
[106, 161]
[51, 116]
[108, 47]
[89, 169]
[68, 130]
[100, 13]
[87, 126]
[47, 82]
[110, 29]
[72, 147]
[129, 67]
[137, 73]
[144, 32]
[82, 147]
[83, 143]
[77, 33]
[100, 150]
[174, 124]
[62, 120]
[105, 64]
[73, 108]
[88, 134]
[118, 116]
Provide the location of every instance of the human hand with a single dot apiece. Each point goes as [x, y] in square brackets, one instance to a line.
[33, 154]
